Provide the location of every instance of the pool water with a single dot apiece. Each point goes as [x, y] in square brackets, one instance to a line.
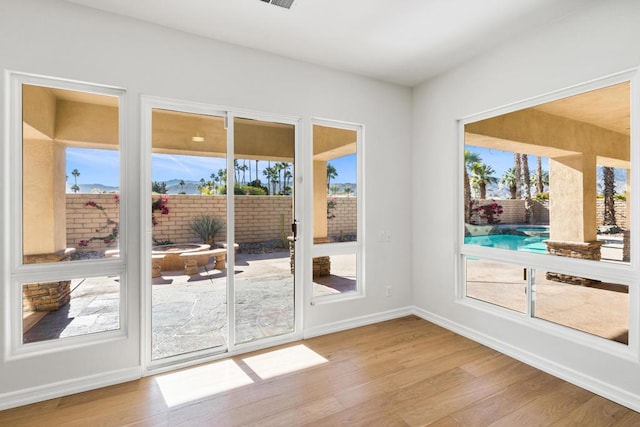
[510, 242]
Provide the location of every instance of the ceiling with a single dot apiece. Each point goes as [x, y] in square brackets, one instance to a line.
[401, 41]
[608, 108]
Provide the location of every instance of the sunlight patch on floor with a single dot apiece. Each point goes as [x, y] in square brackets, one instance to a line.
[284, 361]
[200, 382]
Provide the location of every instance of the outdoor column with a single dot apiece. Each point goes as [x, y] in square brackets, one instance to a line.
[44, 198]
[320, 225]
[572, 207]
[321, 265]
[626, 242]
[44, 219]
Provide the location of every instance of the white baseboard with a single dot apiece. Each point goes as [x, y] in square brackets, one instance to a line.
[594, 385]
[355, 322]
[67, 387]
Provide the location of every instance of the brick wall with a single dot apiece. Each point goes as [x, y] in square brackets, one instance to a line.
[344, 222]
[84, 222]
[621, 212]
[514, 212]
[258, 218]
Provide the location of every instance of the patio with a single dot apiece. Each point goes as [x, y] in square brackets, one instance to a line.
[190, 312]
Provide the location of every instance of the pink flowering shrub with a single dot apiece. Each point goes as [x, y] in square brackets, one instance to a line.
[108, 233]
[489, 212]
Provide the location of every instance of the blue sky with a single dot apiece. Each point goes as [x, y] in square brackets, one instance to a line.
[101, 167]
[500, 160]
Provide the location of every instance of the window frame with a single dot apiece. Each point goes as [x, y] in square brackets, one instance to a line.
[627, 274]
[337, 248]
[20, 273]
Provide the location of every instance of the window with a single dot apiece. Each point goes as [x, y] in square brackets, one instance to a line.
[337, 203]
[546, 214]
[68, 275]
[552, 178]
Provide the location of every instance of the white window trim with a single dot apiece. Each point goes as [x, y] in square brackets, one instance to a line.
[19, 273]
[150, 366]
[342, 248]
[626, 274]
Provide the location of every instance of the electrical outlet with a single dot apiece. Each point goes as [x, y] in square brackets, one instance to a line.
[384, 236]
[388, 291]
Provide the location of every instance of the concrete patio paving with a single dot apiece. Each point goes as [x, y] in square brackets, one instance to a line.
[189, 313]
[601, 309]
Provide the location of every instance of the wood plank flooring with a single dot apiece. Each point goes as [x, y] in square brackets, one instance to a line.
[404, 372]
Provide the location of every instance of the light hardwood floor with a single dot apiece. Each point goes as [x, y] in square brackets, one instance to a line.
[397, 373]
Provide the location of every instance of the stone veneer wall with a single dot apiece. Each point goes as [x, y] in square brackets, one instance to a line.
[258, 218]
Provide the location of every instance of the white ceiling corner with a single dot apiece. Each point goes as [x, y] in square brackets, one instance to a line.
[401, 41]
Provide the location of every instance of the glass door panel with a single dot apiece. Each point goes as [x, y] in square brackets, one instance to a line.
[263, 211]
[189, 211]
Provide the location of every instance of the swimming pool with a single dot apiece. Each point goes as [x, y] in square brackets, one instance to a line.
[509, 241]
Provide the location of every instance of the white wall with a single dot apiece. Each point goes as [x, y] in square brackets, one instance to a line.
[54, 38]
[596, 42]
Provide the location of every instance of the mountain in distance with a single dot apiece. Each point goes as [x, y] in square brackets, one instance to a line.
[190, 187]
[340, 187]
[94, 188]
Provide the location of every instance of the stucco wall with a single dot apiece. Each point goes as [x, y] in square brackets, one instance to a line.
[63, 40]
[598, 41]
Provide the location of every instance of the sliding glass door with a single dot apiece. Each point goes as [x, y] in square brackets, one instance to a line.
[263, 165]
[188, 221]
[222, 261]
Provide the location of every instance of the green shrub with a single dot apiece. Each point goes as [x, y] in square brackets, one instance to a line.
[245, 190]
[207, 227]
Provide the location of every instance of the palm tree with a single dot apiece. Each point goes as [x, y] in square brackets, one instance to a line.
[517, 168]
[609, 191]
[539, 177]
[201, 186]
[509, 180]
[257, 177]
[470, 158]
[332, 173]
[280, 167]
[243, 169]
[182, 184]
[482, 175]
[222, 175]
[76, 174]
[272, 177]
[236, 170]
[528, 206]
[287, 176]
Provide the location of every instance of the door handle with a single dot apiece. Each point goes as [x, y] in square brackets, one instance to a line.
[294, 229]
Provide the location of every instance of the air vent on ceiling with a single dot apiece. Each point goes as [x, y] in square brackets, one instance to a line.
[282, 3]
